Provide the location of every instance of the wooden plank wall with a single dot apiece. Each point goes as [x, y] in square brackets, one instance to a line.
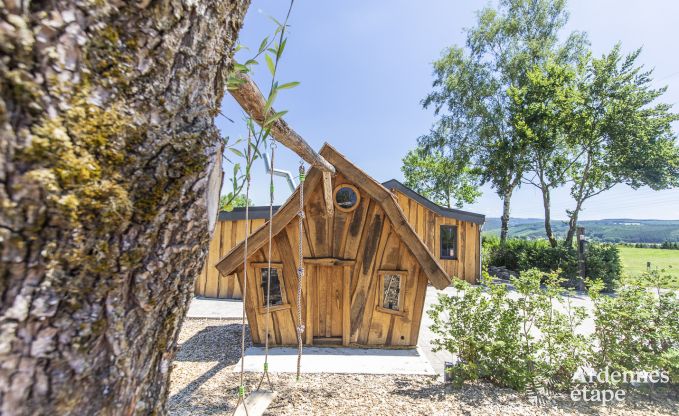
[364, 235]
[227, 234]
[427, 224]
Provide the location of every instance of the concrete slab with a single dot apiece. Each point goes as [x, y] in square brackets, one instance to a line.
[339, 361]
[218, 308]
[215, 308]
[436, 359]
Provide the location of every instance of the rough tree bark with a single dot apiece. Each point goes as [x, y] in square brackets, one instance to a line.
[107, 148]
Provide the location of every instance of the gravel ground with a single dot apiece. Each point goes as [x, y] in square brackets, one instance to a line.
[203, 383]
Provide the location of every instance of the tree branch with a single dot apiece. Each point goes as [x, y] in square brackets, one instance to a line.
[253, 103]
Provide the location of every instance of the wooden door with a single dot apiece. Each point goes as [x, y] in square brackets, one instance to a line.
[327, 303]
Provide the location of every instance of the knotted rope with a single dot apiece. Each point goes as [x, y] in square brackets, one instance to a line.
[300, 268]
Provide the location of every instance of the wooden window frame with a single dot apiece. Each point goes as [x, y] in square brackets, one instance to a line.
[353, 188]
[457, 241]
[401, 294]
[261, 305]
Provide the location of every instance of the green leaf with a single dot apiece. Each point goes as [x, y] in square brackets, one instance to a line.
[281, 48]
[233, 83]
[255, 151]
[288, 85]
[270, 65]
[240, 67]
[236, 151]
[262, 46]
[275, 117]
[269, 102]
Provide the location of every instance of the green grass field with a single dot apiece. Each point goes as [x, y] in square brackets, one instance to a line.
[634, 261]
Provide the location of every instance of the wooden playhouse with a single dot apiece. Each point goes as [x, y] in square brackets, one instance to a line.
[367, 260]
[430, 221]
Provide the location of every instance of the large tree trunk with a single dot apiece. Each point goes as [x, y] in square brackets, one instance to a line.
[107, 152]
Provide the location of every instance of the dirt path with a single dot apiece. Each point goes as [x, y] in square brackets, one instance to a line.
[203, 383]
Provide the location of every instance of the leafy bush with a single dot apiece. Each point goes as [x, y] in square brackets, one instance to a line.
[532, 340]
[518, 343]
[639, 328]
[602, 260]
[482, 331]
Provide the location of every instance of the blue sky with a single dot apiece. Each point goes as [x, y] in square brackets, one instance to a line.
[364, 66]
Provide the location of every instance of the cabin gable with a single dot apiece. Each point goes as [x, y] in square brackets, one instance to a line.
[349, 253]
[341, 299]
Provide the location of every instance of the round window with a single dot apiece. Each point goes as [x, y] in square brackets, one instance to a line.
[346, 197]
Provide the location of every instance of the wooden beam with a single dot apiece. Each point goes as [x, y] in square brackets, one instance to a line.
[329, 261]
[436, 275]
[252, 101]
[234, 258]
[346, 306]
[308, 282]
[327, 195]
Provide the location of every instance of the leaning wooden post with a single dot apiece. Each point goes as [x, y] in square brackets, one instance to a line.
[251, 100]
[582, 264]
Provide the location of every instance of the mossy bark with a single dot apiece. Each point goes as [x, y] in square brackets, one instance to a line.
[107, 144]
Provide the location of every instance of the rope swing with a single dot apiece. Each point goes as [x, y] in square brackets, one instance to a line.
[300, 268]
[259, 400]
[268, 275]
[241, 387]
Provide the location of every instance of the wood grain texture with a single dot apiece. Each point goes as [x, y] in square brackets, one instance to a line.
[344, 254]
[252, 101]
[327, 194]
[427, 224]
[388, 202]
[210, 283]
[232, 260]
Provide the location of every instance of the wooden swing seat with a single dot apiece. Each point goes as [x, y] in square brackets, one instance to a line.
[257, 403]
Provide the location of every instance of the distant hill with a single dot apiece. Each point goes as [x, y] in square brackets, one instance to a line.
[608, 230]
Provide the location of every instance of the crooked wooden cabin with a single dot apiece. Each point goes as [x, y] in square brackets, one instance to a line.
[455, 230]
[370, 250]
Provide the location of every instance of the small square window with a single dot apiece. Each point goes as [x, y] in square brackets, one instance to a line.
[448, 242]
[276, 292]
[392, 291]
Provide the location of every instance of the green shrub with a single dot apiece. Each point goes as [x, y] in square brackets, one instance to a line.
[532, 341]
[481, 329]
[638, 329]
[602, 261]
[518, 343]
